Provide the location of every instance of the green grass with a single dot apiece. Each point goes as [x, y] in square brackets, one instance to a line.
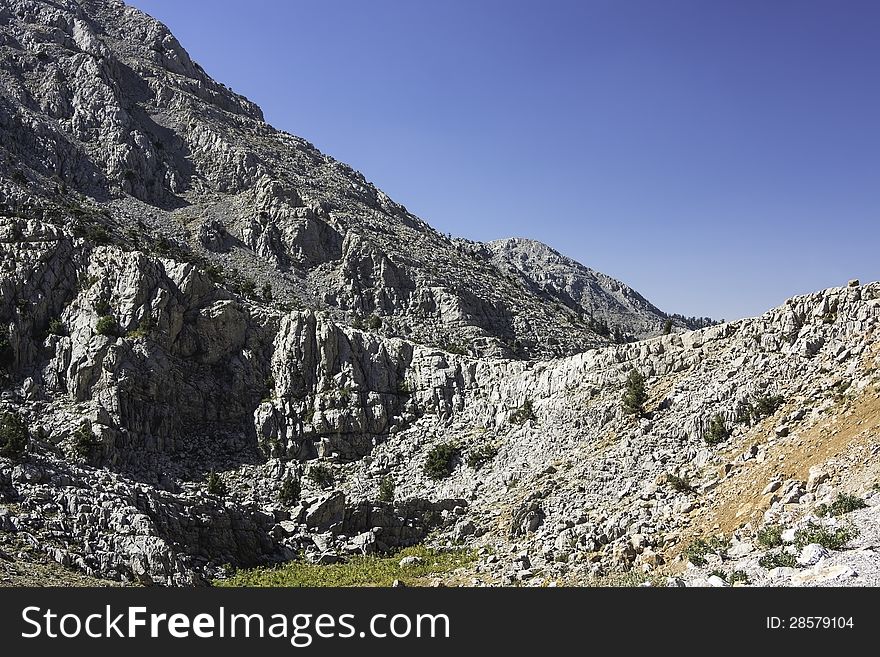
[777, 559]
[357, 571]
[699, 548]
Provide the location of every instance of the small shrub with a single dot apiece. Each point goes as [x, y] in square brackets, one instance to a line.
[374, 322]
[831, 538]
[770, 536]
[107, 325]
[842, 505]
[698, 549]
[84, 442]
[215, 273]
[679, 484]
[453, 348]
[215, 485]
[267, 292]
[479, 456]
[738, 576]
[386, 489]
[525, 413]
[667, 327]
[247, 287]
[717, 432]
[290, 491]
[767, 405]
[321, 475]
[13, 436]
[56, 327]
[777, 559]
[634, 395]
[440, 461]
[102, 307]
[6, 353]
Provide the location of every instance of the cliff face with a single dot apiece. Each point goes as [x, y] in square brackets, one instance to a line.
[185, 290]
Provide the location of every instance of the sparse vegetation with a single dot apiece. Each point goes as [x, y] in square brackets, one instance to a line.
[6, 353]
[770, 536]
[843, 504]
[290, 491]
[386, 489]
[832, 538]
[777, 559]
[215, 485]
[374, 322]
[717, 431]
[107, 325]
[267, 292]
[634, 395]
[758, 408]
[441, 461]
[679, 484]
[667, 327]
[732, 577]
[699, 548]
[321, 475]
[13, 436]
[525, 413]
[358, 571]
[56, 327]
[84, 442]
[454, 348]
[479, 456]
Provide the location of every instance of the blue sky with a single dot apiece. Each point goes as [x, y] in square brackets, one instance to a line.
[718, 156]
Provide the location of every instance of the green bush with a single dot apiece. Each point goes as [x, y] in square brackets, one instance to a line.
[777, 559]
[267, 292]
[525, 413]
[215, 485]
[290, 491]
[454, 348]
[13, 436]
[717, 432]
[700, 547]
[374, 322]
[107, 325]
[832, 538]
[386, 489]
[479, 456]
[842, 505]
[767, 405]
[667, 327]
[56, 327]
[634, 395]
[321, 475]
[732, 577]
[679, 484]
[440, 461]
[770, 536]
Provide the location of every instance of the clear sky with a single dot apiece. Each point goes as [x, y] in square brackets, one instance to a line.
[716, 155]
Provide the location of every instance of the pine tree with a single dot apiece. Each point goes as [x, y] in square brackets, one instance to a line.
[634, 397]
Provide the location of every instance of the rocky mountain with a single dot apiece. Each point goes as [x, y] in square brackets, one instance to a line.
[608, 303]
[221, 346]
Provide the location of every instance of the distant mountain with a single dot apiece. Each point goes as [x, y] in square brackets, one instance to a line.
[604, 300]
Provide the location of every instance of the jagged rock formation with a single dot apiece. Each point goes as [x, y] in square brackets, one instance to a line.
[590, 293]
[188, 296]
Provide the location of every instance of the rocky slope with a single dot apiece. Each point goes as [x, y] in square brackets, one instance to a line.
[203, 314]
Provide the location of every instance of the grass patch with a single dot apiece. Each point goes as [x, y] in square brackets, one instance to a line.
[357, 571]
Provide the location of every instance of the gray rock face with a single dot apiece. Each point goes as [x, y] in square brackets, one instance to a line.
[185, 290]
